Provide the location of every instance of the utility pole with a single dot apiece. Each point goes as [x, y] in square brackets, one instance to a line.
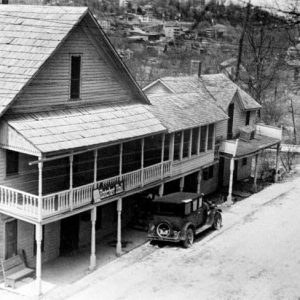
[241, 42]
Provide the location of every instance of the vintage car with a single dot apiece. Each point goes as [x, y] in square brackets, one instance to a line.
[178, 217]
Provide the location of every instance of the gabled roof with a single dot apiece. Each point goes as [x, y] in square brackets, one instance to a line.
[29, 36]
[223, 90]
[67, 129]
[217, 86]
[186, 110]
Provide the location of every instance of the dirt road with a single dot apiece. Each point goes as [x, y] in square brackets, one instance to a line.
[257, 258]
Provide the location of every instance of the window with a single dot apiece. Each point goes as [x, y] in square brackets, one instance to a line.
[75, 76]
[203, 139]
[210, 137]
[195, 133]
[244, 161]
[12, 162]
[11, 238]
[177, 142]
[188, 208]
[248, 118]
[195, 204]
[167, 147]
[186, 143]
[208, 173]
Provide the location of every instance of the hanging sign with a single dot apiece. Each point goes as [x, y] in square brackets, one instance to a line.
[111, 188]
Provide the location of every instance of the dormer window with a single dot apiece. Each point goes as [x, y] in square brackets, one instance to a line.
[75, 77]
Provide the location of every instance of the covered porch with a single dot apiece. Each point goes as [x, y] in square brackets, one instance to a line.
[237, 152]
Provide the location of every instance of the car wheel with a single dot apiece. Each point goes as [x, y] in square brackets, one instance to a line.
[217, 221]
[189, 239]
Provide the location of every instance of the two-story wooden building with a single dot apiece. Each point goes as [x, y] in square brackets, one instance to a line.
[238, 138]
[78, 136]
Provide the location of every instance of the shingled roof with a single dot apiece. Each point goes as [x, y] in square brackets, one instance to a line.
[218, 86]
[223, 90]
[83, 127]
[186, 110]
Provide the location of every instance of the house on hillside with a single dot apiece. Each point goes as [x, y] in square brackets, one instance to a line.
[237, 139]
[80, 143]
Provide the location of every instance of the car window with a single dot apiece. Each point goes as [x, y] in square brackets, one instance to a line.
[187, 208]
[195, 204]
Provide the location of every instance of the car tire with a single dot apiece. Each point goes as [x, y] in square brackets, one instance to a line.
[189, 239]
[217, 224]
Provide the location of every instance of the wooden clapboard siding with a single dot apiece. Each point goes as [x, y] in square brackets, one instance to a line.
[221, 129]
[99, 81]
[193, 163]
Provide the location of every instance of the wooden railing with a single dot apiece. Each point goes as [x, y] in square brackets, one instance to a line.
[27, 204]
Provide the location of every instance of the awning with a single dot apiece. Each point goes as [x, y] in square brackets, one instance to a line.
[78, 128]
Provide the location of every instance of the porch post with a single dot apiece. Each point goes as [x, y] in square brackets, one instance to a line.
[93, 239]
[277, 162]
[142, 160]
[255, 174]
[40, 191]
[162, 155]
[190, 143]
[38, 238]
[119, 241]
[161, 190]
[229, 197]
[71, 157]
[181, 145]
[181, 184]
[199, 178]
[95, 167]
[171, 147]
[121, 160]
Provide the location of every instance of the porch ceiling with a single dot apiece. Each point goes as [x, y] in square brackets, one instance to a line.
[77, 128]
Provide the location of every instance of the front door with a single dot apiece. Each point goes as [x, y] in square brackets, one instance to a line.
[11, 238]
[230, 121]
[69, 234]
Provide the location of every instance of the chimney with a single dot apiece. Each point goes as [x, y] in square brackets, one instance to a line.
[196, 66]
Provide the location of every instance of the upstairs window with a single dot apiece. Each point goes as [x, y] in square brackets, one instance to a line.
[247, 118]
[186, 143]
[12, 162]
[75, 77]
[203, 139]
[210, 137]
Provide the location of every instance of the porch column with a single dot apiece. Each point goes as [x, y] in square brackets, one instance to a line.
[38, 238]
[229, 197]
[71, 157]
[199, 178]
[171, 147]
[161, 190]
[119, 241]
[95, 167]
[255, 174]
[121, 160]
[181, 145]
[190, 143]
[40, 191]
[93, 239]
[142, 160]
[181, 184]
[277, 162]
[162, 156]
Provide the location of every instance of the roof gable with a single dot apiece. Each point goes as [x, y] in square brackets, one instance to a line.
[30, 35]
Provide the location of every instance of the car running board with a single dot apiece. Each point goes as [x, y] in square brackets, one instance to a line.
[201, 229]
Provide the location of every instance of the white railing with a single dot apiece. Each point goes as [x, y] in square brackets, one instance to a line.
[60, 202]
[18, 201]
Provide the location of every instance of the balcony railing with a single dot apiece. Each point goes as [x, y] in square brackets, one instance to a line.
[25, 204]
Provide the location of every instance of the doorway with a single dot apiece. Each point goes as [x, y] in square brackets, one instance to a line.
[230, 121]
[11, 238]
[69, 234]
